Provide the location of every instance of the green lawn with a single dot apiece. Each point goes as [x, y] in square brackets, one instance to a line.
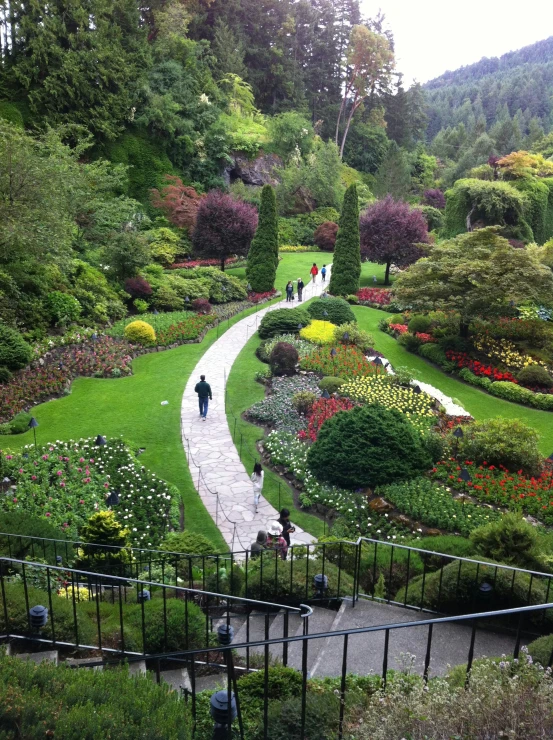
[291, 267]
[481, 405]
[242, 392]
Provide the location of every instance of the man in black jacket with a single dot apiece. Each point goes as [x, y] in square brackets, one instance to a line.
[203, 390]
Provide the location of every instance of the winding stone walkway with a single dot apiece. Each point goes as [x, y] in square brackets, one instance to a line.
[217, 471]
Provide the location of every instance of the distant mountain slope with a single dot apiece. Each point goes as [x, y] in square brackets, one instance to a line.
[519, 83]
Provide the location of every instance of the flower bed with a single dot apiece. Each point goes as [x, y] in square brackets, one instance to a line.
[432, 504]
[318, 332]
[462, 359]
[184, 331]
[356, 517]
[399, 328]
[106, 357]
[262, 297]
[380, 389]
[498, 486]
[66, 482]
[505, 352]
[202, 263]
[297, 248]
[277, 409]
[323, 409]
[377, 296]
[73, 336]
[348, 362]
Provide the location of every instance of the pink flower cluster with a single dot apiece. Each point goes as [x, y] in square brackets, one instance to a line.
[380, 296]
[201, 263]
[399, 328]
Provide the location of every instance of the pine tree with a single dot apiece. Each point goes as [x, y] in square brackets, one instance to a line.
[262, 263]
[346, 266]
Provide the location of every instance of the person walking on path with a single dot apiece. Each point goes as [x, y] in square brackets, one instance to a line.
[203, 390]
[257, 480]
[289, 291]
[259, 545]
[287, 527]
[300, 290]
[323, 273]
[314, 271]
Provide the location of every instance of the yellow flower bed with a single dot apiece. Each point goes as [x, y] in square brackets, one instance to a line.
[377, 389]
[81, 593]
[319, 332]
[505, 351]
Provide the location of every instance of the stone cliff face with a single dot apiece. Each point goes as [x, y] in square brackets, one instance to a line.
[258, 171]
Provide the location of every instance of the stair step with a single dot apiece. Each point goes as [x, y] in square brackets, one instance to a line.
[320, 621]
[177, 679]
[137, 668]
[45, 656]
[257, 624]
[84, 662]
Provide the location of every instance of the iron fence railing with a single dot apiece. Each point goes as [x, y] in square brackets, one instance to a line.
[191, 659]
[411, 577]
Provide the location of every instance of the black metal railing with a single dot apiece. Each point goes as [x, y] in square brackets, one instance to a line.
[122, 615]
[352, 640]
[397, 574]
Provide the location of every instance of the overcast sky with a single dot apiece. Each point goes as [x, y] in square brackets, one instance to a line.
[432, 36]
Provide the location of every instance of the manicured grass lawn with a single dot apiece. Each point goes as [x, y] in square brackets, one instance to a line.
[480, 405]
[131, 407]
[242, 392]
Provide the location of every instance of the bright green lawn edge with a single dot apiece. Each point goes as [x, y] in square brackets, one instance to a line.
[479, 404]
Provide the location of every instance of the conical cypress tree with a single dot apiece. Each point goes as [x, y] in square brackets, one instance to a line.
[346, 265]
[261, 267]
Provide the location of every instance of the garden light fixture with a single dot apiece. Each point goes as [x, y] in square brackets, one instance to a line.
[143, 595]
[225, 634]
[377, 361]
[465, 475]
[221, 712]
[38, 616]
[485, 591]
[100, 441]
[33, 425]
[113, 498]
[325, 394]
[458, 433]
[417, 389]
[320, 584]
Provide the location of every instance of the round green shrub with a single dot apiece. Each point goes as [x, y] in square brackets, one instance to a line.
[5, 375]
[331, 384]
[63, 307]
[22, 523]
[419, 323]
[356, 336]
[541, 649]
[510, 540]
[338, 311]
[303, 401]
[409, 341]
[283, 359]
[434, 353]
[15, 353]
[368, 446]
[140, 332]
[507, 442]
[397, 318]
[283, 321]
[20, 423]
[535, 375]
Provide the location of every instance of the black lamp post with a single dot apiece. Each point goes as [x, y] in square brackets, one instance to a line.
[458, 434]
[333, 355]
[377, 361]
[113, 498]
[225, 706]
[345, 337]
[33, 425]
[417, 389]
[100, 441]
[465, 477]
[325, 394]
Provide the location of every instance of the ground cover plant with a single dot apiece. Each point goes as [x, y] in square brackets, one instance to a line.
[66, 482]
[277, 409]
[346, 361]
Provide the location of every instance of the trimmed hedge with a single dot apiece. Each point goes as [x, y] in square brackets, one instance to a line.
[338, 311]
[283, 321]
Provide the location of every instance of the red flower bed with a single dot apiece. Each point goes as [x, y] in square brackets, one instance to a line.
[380, 296]
[425, 338]
[322, 410]
[103, 358]
[348, 362]
[201, 263]
[189, 328]
[461, 359]
[257, 297]
[400, 328]
[497, 485]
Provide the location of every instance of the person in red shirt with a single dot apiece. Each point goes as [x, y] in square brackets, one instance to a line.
[314, 271]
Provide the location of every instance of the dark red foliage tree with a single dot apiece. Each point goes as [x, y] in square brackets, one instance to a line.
[201, 305]
[138, 287]
[325, 236]
[390, 232]
[435, 198]
[178, 202]
[224, 227]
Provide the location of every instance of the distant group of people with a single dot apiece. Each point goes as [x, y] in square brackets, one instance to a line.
[276, 538]
[300, 284]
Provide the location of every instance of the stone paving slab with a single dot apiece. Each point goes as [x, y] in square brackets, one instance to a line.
[218, 474]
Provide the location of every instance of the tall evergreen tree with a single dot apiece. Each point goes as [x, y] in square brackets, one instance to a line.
[346, 266]
[261, 268]
[394, 173]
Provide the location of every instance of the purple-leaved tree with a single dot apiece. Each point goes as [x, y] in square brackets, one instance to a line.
[224, 227]
[435, 198]
[390, 233]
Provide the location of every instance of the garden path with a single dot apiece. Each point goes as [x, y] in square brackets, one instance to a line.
[219, 475]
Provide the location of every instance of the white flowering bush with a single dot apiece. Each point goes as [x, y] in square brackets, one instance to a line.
[277, 409]
[66, 482]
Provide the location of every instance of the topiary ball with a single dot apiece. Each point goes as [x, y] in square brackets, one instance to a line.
[336, 310]
[140, 332]
[367, 447]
